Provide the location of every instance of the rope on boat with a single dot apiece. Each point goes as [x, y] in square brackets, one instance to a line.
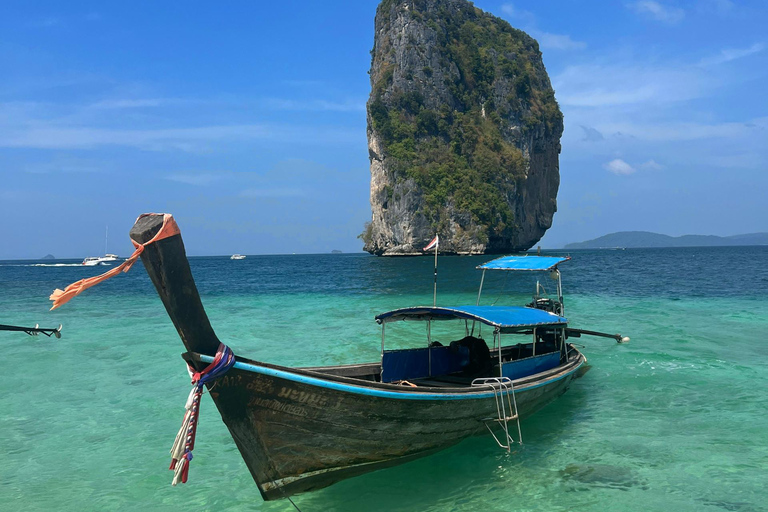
[181, 452]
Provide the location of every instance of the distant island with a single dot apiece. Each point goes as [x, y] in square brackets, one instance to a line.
[637, 239]
[49, 257]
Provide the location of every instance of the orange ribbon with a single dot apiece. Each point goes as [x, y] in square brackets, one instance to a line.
[169, 229]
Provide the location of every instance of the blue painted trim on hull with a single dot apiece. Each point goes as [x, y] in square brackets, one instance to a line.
[358, 390]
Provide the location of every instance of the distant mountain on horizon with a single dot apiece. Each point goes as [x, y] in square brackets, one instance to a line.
[638, 239]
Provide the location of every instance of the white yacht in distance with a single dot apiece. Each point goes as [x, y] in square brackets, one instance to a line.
[98, 260]
[237, 257]
[101, 260]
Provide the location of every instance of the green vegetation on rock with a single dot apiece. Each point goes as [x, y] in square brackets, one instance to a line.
[463, 149]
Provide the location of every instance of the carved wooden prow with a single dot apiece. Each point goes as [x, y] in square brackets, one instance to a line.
[167, 265]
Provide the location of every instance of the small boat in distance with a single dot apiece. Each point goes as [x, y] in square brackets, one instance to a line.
[237, 257]
[92, 261]
[99, 260]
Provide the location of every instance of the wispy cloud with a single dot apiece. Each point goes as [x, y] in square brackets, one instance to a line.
[185, 139]
[302, 83]
[179, 127]
[716, 6]
[275, 193]
[651, 165]
[547, 40]
[729, 54]
[688, 131]
[658, 12]
[522, 15]
[596, 85]
[65, 21]
[48, 22]
[315, 105]
[131, 103]
[195, 178]
[557, 41]
[619, 167]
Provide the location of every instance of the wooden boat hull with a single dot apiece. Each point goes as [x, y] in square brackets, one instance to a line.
[300, 430]
[304, 429]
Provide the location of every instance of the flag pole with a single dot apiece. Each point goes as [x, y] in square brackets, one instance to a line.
[434, 243]
[434, 292]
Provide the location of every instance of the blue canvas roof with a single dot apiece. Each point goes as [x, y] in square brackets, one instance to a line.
[506, 318]
[523, 263]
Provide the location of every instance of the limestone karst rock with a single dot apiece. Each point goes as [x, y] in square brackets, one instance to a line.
[463, 132]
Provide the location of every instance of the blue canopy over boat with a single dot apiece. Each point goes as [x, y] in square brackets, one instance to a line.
[505, 318]
[523, 263]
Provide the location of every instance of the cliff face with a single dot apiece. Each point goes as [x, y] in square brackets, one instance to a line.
[463, 132]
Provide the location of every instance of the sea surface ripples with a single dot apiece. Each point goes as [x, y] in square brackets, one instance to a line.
[674, 420]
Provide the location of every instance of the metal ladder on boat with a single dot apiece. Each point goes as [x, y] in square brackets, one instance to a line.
[506, 411]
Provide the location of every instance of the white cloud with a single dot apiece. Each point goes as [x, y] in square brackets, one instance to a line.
[546, 40]
[303, 83]
[272, 192]
[687, 131]
[715, 6]
[520, 14]
[46, 23]
[315, 105]
[655, 10]
[130, 103]
[651, 165]
[598, 85]
[187, 139]
[557, 41]
[42, 125]
[194, 179]
[619, 167]
[729, 54]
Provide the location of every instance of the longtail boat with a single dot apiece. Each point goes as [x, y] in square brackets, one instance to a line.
[301, 429]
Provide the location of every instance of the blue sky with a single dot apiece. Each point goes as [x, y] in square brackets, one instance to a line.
[246, 120]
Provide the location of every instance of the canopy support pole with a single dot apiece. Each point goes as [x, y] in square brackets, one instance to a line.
[381, 371]
[480, 291]
[429, 347]
[496, 334]
[434, 291]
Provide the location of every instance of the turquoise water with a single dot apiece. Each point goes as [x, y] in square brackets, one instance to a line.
[675, 420]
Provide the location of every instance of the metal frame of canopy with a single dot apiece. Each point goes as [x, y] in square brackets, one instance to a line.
[506, 319]
[503, 319]
[530, 264]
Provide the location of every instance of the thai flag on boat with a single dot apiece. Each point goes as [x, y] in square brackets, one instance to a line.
[434, 243]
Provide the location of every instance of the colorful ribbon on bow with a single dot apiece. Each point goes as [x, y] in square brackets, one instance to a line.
[181, 451]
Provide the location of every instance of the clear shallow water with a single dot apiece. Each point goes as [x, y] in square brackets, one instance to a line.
[675, 420]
